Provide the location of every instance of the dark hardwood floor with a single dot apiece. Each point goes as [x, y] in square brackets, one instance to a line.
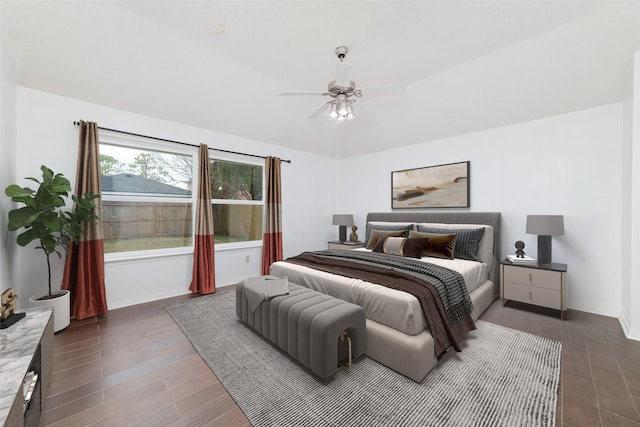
[134, 367]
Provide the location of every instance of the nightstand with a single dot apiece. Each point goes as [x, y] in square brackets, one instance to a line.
[345, 246]
[541, 285]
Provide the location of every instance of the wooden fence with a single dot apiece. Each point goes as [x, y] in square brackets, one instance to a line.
[124, 220]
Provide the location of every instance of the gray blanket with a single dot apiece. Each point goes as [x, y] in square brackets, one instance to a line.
[262, 288]
[449, 283]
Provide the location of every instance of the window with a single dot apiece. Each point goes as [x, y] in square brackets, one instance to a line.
[147, 202]
[236, 189]
[149, 198]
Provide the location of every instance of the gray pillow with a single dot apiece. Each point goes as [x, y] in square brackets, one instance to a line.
[467, 240]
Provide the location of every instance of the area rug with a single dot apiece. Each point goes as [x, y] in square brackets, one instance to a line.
[502, 377]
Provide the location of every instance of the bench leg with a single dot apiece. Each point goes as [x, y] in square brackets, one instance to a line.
[344, 336]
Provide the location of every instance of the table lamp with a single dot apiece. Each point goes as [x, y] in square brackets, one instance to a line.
[343, 221]
[545, 226]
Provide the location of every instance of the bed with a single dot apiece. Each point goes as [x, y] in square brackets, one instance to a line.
[398, 334]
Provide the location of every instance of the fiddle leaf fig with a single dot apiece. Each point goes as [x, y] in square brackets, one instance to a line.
[42, 216]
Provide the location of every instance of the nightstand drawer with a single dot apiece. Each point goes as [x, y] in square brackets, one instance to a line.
[533, 277]
[532, 295]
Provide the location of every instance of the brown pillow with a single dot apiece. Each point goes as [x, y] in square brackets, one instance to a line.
[438, 245]
[401, 246]
[381, 234]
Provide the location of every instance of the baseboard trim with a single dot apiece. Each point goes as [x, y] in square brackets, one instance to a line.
[628, 332]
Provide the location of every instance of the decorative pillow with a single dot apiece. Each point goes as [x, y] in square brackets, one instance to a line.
[438, 245]
[467, 241]
[485, 247]
[401, 246]
[386, 227]
[378, 234]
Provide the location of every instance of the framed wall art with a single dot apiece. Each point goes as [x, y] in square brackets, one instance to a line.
[441, 186]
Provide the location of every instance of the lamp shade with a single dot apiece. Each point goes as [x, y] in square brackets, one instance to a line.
[343, 220]
[545, 225]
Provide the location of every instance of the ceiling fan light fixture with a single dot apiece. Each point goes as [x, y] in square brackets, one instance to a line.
[334, 110]
[343, 92]
[349, 112]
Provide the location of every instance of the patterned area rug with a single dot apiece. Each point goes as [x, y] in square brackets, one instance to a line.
[503, 377]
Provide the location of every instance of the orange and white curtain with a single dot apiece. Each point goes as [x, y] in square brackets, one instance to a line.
[272, 237]
[84, 264]
[203, 278]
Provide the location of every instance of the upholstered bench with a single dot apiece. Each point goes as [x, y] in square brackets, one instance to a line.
[315, 329]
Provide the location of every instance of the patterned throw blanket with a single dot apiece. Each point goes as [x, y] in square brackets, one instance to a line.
[441, 292]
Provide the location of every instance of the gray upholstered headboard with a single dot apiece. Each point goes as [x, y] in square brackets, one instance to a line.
[488, 218]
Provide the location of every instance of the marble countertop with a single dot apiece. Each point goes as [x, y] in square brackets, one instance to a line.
[18, 344]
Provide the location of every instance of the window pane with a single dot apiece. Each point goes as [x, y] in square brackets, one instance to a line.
[130, 226]
[235, 181]
[237, 223]
[132, 170]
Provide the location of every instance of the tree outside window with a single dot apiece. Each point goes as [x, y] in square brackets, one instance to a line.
[236, 189]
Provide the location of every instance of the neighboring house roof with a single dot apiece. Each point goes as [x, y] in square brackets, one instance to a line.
[130, 183]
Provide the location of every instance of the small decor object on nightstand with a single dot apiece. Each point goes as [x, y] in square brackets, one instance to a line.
[519, 249]
[7, 315]
[354, 236]
[523, 260]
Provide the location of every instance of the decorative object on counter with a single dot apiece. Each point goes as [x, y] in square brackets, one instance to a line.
[52, 228]
[354, 236]
[519, 249]
[8, 316]
[545, 226]
[342, 220]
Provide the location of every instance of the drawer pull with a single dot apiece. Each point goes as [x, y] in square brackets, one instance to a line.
[530, 278]
[530, 296]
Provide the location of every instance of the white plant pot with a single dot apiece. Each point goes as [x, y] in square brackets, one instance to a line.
[61, 308]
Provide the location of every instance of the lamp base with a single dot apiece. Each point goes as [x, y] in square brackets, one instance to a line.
[342, 233]
[544, 250]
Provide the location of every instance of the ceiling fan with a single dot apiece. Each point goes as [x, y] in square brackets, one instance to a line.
[343, 91]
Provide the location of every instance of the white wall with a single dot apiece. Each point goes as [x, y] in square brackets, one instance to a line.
[7, 155]
[630, 292]
[568, 164]
[46, 135]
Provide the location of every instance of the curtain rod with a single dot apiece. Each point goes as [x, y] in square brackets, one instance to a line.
[181, 143]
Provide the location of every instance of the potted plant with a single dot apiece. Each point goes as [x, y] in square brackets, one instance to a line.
[53, 228]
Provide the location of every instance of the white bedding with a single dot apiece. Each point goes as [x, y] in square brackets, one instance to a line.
[396, 309]
[474, 273]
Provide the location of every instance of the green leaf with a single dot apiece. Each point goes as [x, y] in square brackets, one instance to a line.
[48, 243]
[27, 237]
[22, 217]
[15, 190]
[51, 221]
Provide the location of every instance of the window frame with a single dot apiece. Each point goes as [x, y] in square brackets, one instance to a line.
[141, 143]
[249, 244]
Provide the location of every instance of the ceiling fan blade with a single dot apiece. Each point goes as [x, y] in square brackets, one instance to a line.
[360, 111]
[372, 91]
[303, 93]
[319, 110]
[343, 74]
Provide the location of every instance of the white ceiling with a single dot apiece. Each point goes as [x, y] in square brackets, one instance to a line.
[467, 65]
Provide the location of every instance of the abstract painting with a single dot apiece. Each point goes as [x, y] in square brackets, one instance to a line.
[441, 186]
